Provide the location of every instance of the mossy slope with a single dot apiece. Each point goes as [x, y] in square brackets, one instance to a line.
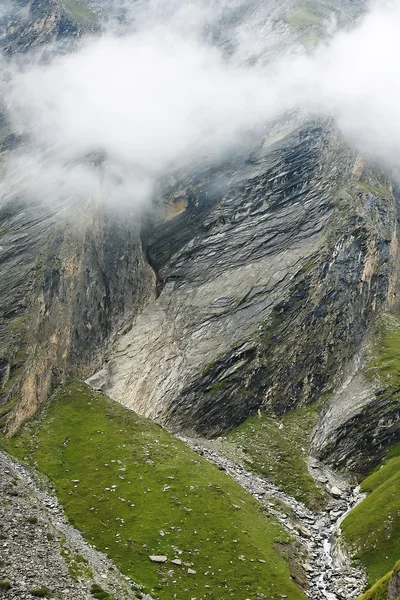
[373, 527]
[135, 491]
[278, 449]
[379, 590]
[386, 362]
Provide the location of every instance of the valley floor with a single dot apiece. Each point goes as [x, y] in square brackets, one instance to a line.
[174, 514]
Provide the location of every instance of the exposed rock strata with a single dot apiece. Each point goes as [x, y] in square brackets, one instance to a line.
[268, 280]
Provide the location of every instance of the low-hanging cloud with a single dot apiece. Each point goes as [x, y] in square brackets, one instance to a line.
[162, 96]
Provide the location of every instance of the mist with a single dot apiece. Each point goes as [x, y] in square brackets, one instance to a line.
[126, 107]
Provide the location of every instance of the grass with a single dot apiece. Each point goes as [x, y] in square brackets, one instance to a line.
[79, 11]
[373, 527]
[99, 593]
[379, 590]
[386, 361]
[302, 18]
[42, 592]
[135, 491]
[32, 520]
[375, 190]
[5, 585]
[278, 450]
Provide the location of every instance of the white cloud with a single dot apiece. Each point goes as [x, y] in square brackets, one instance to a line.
[162, 96]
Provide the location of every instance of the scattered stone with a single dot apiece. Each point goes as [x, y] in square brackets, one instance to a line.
[335, 492]
[303, 531]
[30, 557]
[158, 559]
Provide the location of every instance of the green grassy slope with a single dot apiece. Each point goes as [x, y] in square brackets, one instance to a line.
[135, 491]
[278, 450]
[379, 590]
[373, 527]
[386, 361]
[79, 12]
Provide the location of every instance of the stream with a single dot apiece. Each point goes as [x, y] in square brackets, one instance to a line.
[328, 570]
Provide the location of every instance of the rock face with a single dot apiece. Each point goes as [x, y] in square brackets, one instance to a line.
[74, 288]
[362, 418]
[269, 273]
[252, 283]
[394, 585]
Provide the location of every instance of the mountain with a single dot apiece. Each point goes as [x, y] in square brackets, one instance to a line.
[250, 309]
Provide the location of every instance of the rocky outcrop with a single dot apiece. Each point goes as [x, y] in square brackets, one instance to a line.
[364, 432]
[269, 272]
[34, 23]
[362, 418]
[394, 584]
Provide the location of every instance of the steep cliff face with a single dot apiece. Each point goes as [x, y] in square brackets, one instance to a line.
[362, 419]
[270, 272]
[71, 274]
[76, 286]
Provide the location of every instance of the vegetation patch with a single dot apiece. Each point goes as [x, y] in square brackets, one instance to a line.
[99, 593]
[301, 18]
[42, 592]
[373, 527]
[278, 450]
[5, 585]
[78, 565]
[376, 190]
[32, 520]
[136, 492]
[386, 350]
[379, 590]
[79, 11]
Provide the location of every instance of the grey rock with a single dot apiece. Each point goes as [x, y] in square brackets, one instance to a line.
[335, 492]
[158, 558]
[394, 586]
